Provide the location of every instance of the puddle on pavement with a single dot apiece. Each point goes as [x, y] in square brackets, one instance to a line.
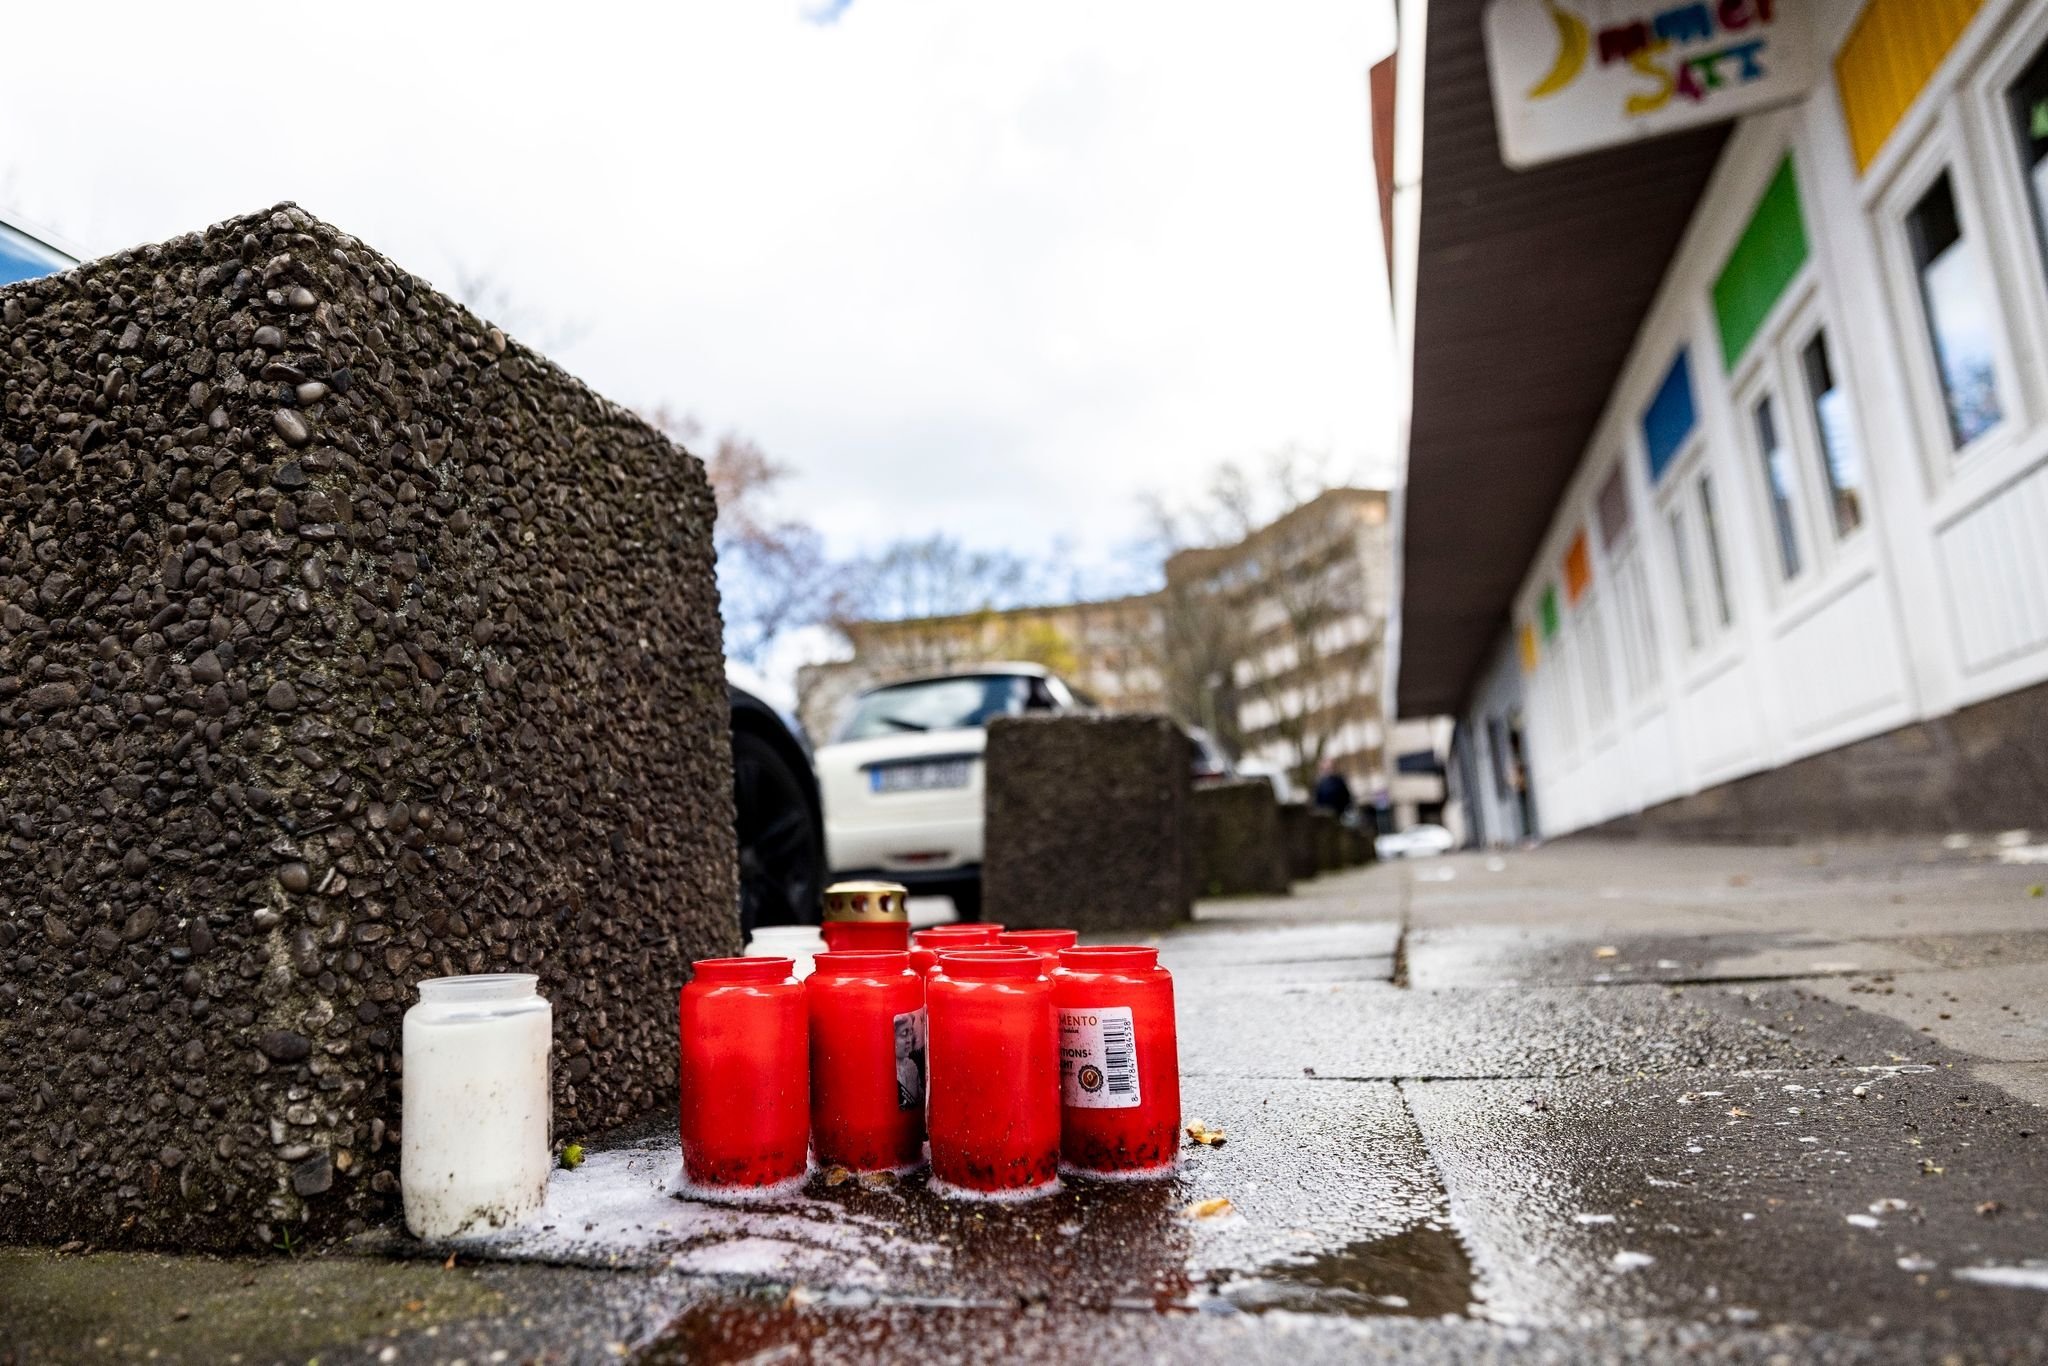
[1420, 1272]
[1095, 1246]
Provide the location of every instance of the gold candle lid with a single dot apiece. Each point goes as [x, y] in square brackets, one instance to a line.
[868, 903]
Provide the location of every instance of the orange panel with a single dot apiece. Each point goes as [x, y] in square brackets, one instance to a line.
[1528, 641]
[1578, 569]
[1886, 61]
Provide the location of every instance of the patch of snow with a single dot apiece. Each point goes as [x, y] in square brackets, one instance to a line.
[2031, 1276]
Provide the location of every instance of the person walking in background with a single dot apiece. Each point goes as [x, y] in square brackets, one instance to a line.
[1332, 793]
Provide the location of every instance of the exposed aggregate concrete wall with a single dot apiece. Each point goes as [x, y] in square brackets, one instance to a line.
[343, 642]
[1088, 822]
[1297, 824]
[1239, 847]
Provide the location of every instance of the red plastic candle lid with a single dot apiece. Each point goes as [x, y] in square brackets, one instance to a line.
[938, 936]
[863, 963]
[742, 969]
[1039, 941]
[1110, 958]
[990, 964]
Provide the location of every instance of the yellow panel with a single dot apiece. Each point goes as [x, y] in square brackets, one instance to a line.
[1886, 61]
[1528, 644]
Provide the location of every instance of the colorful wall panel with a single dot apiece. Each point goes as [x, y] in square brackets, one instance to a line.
[1578, 569]
[1769, 253]
[1669, 419]
[1886, 61]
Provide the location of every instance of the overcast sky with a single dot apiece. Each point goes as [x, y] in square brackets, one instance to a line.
[988, 268]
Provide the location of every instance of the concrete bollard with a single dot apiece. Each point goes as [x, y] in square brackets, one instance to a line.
[1239, 846]
[1299, 830]
[1088, 822]
[344, 642]
[1328, 839]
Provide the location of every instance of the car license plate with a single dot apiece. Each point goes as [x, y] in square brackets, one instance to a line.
[918, 777]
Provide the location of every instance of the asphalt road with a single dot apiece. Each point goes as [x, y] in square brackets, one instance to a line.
[1594, 1102]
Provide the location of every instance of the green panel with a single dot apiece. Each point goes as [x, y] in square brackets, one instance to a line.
[1549, 611]
[1766, 257]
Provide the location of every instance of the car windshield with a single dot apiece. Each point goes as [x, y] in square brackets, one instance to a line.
[936, 704]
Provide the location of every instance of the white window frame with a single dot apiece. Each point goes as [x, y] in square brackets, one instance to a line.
[1808, 322]
[1762, 378]
[1677, 495]
[1945, 147]
[2020, 251]
[1596, 657]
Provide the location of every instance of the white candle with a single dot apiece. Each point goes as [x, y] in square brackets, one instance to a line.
[801, 944]
[477, 1126]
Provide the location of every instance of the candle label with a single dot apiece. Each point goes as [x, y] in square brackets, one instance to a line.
[1098, 1059]
[910, 1046]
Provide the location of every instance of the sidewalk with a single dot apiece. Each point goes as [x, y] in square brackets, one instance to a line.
[1595, 1102]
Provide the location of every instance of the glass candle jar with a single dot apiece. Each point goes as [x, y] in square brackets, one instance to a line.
[1045, 943]
[800, 944]
[746, 1104]
[926, 944]
[867, 1027]
[1119, 1062]
[866, 916]
[476, 1137]
[994, 1110]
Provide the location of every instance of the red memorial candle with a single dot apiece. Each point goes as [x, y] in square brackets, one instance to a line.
[867, 1061]
[1119, 1062]
[1045, 943]
[926, 944]
[864, 916]
[994, 1112]
[746, 1106]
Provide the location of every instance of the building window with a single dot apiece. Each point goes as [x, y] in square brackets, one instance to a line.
[1710, 533]
[1959, 316]
[1777, 465]
[1688, 595]
[2028, 100]
[1612, 507]
[1841, 462]
[1641, 641]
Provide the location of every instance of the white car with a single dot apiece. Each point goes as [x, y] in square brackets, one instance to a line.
[1417, 841]
[902, 780]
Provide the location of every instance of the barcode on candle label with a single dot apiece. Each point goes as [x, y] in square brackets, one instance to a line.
[910, 1043]
[1098, 1059]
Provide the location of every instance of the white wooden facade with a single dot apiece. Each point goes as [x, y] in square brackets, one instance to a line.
[1744, 610]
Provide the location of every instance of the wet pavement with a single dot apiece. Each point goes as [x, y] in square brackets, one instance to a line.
[1594, 1102]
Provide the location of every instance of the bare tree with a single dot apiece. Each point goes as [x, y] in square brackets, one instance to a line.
[1271, 637]
[485, 295]
[936, 576]
[773, 573]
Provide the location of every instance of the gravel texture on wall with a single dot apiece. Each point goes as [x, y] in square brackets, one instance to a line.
[1089, 823]
[1239, 847]
[1328, 837]
[343, 642]
[1297, 825]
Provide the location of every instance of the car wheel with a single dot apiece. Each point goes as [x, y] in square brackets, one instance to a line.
[782, 862]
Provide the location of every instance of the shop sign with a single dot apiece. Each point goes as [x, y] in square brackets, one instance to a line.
[1570, 76]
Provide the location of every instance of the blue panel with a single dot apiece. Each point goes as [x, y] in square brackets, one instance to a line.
[1668, 421]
